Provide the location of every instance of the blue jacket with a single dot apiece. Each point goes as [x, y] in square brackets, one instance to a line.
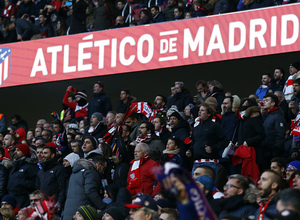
[262, 91]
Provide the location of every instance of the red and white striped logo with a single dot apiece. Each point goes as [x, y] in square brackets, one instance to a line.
[5, 64]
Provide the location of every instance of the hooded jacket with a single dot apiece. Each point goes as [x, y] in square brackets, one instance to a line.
[5, 166]
[84, 188]
[22, 179]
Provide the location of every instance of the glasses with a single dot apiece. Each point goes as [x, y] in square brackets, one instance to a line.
[227, 186]
[34, 200]
[142, 127]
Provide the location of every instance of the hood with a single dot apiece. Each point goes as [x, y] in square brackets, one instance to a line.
[96, 151]
[181, 124]
[83, 164]
[249, 111]
[22, 134]
[33, 159]
[7, 163]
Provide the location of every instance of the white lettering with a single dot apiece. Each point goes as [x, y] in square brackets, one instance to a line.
[83, 56]
[53, 51]
[173, 44]
[164, 46]
[39, 58]
[123, 60]
[101, 44]
[295, 30]
[114, 52]
[273, 31]
[215, 35]
[149, 39]
[189, 43]
[259, 35]
[242, 30]
[67, 68]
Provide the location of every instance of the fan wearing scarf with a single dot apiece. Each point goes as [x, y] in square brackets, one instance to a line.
[140, 176]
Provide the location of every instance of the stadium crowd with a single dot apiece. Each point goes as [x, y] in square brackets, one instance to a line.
[182, 157]
[23, 20]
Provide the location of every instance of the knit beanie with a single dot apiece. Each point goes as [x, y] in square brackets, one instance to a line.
[177, 115]
[98, 115]
[24, 149]
[72, 158]
[294, 165]
[10, 199]
[81, 95]
[93, 140]
[115, 213]
[207, 182]
[88, 212]
[296, 65]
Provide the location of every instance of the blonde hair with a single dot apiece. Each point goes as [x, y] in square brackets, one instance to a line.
[8, 213]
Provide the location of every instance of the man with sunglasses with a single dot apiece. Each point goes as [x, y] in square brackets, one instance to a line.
[240, 199]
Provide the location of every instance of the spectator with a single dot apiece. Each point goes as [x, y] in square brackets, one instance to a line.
[169, 10]
[277, 83]
[86, 213]
[124, 101]
[51, 178]
[140, 176]
[100, 101]
[157, 15]
[78, 17]
[97, 128]
[288, 89]
[45, 26]
[105, 15]
[84, 187]
[20, 184]
[263, 89]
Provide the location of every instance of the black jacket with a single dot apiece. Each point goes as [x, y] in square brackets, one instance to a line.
[252, 131]
[5, 166]
[22, 179]
[180, 99]
[99, 103]
[78, 17]
[275, 134]
[208, 133]
[51, 179]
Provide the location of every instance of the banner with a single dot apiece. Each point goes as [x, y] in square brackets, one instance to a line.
[169, 44]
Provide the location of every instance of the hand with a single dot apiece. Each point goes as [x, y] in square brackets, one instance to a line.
[208, 149]
[245, 144]
[70, 88]
[19, 37]
[292, 104]
[294, 155]
[188, 153]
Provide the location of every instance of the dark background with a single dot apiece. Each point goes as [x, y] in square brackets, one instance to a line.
[242, 76]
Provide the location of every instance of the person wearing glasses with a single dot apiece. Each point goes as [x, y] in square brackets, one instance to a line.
[147, 135]
[240, 199]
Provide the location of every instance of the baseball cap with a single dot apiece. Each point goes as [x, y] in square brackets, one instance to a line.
[143, 200]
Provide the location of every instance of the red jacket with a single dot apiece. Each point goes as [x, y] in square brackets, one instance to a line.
[80, 111]
[147, 178]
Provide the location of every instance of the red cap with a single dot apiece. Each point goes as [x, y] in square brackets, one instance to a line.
[24, 149]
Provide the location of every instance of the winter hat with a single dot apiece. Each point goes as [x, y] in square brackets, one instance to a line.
[163, 203]
[115, 213]
[73, 126]
[51, 144]
[81, 95]
[294, 165]
[88, 212]
[14, 128]
[98, 115]
[22, 134]
[177, 115]
[10, 199]
[72, 158]
[24, 149]
[143, 200]
[296, 65]
[212, 101]
[207, 182]
[93, 140]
